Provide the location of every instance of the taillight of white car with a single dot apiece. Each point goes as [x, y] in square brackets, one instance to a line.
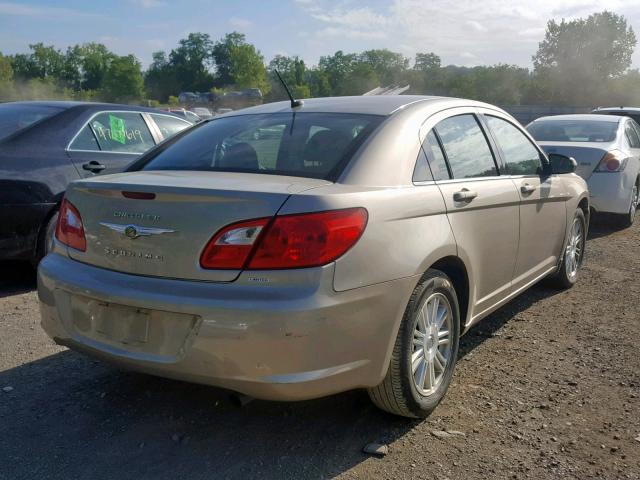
[613, 161]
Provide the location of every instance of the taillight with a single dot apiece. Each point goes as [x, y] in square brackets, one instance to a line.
[69, 229]
[287, 241]
[613, 161]
[231, 246]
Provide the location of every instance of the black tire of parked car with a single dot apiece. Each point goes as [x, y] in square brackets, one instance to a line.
[45, 239]
[627, 220]
[397, 393]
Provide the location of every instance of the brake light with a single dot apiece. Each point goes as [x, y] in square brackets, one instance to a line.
[69, 229]
[229, 249]
[613, 161]
[139, 195]
[287, 241]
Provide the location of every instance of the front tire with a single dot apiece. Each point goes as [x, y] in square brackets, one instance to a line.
[573, 255]
[425, 351]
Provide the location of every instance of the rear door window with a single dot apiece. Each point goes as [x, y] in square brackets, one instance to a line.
[521, 156]
[466, 147]
[125, 132]
[437, 161]
[168, 124]
[632, 135]
[85, 140]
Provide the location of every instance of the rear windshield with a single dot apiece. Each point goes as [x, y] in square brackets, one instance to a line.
[573, 131]
[14, 117]
[313, 145]
[621, 113]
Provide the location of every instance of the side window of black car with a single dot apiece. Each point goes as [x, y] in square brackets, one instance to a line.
[125, 132]
[85, 140]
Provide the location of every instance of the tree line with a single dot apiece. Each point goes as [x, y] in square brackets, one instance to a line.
[579, 62]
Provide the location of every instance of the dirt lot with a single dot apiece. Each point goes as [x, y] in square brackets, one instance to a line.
[547, 387]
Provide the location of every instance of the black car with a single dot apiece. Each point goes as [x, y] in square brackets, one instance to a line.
[46, 145]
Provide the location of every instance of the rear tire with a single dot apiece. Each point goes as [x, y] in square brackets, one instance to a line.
[573, 254]
[45, 239]
[425, 350]
[625, 221]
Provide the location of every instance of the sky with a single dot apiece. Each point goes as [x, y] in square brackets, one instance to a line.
[462, 32]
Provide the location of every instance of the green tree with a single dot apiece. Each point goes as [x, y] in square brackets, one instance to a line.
[161, 80]
[577, 58]
[123, 80]
[192, 61]
[6, 71]
[388, 66]
[247, 68]
[603, 43]
[239, 63]
[93, 61]
[427, 61]
[222, 57]
[293, 72]
[337, 68]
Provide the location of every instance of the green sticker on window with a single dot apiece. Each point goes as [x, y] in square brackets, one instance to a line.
[117, 129]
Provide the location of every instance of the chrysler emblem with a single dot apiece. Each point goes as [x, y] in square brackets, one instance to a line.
[130, 231]
[135, 231]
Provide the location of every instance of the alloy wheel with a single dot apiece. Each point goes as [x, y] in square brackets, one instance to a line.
[575, 249]
[431, 352]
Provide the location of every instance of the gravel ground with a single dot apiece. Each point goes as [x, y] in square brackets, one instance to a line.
[547, 387]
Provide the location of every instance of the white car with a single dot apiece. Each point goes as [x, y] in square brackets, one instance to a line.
[607, 150]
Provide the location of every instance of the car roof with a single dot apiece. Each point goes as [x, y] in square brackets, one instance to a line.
[584, 116]
[365, 104]
[68, 104]
[617, 109]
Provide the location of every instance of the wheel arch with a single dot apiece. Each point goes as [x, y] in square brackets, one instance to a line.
[457, 271]
[43, 225]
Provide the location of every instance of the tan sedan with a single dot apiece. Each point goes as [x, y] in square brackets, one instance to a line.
[294, 252]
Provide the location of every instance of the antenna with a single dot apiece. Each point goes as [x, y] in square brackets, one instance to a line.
[294, 103]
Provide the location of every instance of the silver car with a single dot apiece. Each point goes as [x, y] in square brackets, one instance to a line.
[607, 149]
[295, 253]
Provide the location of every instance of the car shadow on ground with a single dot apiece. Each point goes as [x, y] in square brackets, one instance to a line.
[603, 225]
[70, 416]
[16, 278]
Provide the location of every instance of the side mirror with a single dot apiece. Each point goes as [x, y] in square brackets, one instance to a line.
[559, 164]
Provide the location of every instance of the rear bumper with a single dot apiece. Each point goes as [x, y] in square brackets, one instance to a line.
[267, 341]
[611, 192]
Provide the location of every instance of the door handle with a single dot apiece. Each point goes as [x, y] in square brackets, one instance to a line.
[93, 166]
[464, 195]
[527, 188]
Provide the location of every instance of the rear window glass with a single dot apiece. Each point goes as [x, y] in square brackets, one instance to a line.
[314, 145]
[14, 117]
[573, 131]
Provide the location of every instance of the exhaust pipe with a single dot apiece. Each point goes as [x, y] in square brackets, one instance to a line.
[240, 400]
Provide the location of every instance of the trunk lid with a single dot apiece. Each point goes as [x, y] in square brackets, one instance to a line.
[168, 233]
[587, 154]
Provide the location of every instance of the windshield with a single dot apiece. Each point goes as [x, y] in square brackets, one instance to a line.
[313, 145]
[573, 130]
[14, 117]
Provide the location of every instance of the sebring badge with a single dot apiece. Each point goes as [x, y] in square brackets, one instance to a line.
[135, 231]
